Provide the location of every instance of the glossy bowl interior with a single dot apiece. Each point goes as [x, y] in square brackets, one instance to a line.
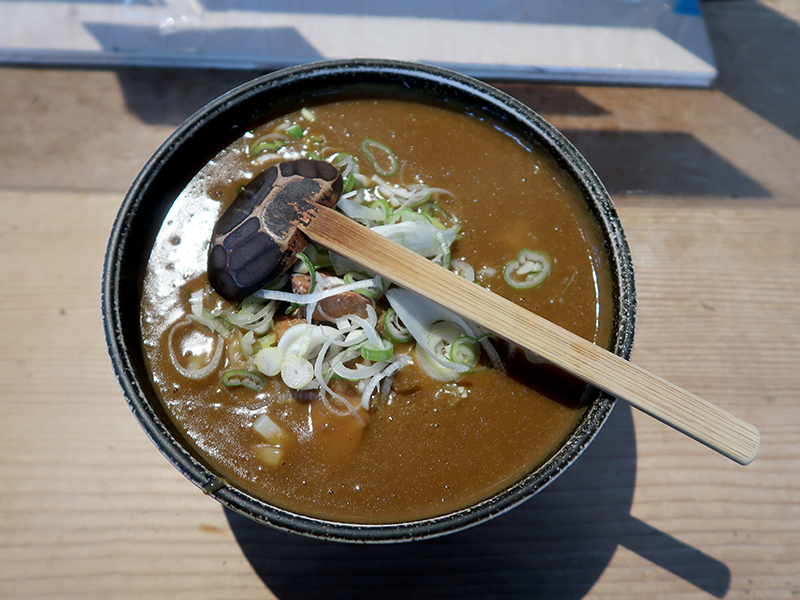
[224, 120]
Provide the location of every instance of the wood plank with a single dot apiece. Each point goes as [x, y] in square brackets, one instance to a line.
[89, 508]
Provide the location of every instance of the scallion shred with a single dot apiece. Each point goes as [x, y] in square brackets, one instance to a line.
[312, 271]
[528, 270]
[352, 277]
[377, 352]
[269, 145]
[295, 130]
[240, 377]
[369, 148]
[394, 327]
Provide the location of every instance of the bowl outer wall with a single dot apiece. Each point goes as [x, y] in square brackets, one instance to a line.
[228, 117]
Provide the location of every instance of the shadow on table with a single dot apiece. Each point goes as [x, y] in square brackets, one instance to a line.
[662, 163]
[757, 52]
[170, 96]
[162, 96]
[556, 545]
[752, 44]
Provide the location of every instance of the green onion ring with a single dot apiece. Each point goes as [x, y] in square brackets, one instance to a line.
[296, 131]
[464, 350]
[444, 247]
[387, 210]
[367, 147]
[406, 214]
[378, 353]
[528, 270]
[239, 377]
[394, 328]
[267, 145]
[369, 292]
[311, 271]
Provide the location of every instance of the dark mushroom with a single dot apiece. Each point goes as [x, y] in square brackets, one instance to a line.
[256, 239]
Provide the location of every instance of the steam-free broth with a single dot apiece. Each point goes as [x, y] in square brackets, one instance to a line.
[425, 447]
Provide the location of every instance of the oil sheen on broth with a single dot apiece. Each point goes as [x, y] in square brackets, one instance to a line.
[428, 447]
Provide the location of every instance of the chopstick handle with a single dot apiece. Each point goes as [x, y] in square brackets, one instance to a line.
[682, 410]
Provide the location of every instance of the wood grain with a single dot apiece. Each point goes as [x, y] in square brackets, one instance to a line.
[89, 509]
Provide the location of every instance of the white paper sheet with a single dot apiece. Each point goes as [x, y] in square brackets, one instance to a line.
[650, 42]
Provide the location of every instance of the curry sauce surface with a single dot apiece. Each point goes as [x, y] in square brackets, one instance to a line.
[429, 449]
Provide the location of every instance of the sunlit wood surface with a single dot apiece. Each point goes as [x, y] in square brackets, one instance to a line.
[707, 183]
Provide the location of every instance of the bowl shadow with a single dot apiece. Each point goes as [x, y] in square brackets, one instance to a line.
[556, 545]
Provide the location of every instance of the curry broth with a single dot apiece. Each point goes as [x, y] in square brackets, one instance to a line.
[427, 450]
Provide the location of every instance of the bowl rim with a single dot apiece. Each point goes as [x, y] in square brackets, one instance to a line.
[227, 117]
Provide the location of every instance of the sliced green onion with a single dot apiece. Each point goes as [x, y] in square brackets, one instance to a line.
[304, 339]
[296, 131]
[394, 328]
[404, 215]
[381, 378]
[216, 324]
[444, 249]
[297, 340]
[369, 292]
[269, 361]
[270, 145]
[305, 299]
[368, 146]
[322, 259]
[368, 215]
[436, 214]
[248, 339]
[348, 165]
[529, 269]
[384, 206]
[358, 372]
[311, 271]
[196, 301]
[311, 253]
[463, 268]
[307, 264]
[191, 373]
[420, 194]
[418, 236]
[378, 352]
[436, 368]
[297, 372]
[421, 316]
[239, 377]
[308, 114]
[465, 350]
[345, 161]
[251, 305]
[441, 336]
[319, 257]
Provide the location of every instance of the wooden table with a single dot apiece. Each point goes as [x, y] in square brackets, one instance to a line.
[708, 187]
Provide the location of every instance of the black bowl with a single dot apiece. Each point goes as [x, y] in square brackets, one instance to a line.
[224, 120]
